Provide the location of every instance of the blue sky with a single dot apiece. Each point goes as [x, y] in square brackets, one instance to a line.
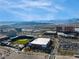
[28, 10]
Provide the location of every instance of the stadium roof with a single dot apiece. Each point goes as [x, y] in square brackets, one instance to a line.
[41, 41]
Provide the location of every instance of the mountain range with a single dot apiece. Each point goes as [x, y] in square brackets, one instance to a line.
[61, 21]
[38, 22]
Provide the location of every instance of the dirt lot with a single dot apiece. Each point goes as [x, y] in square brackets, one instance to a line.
[65, 57]
[9, 54]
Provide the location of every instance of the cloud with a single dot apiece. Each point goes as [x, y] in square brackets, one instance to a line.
[24, 4]
[31, 5]
[30, 17]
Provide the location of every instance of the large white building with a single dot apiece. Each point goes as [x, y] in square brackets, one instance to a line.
[42, 42]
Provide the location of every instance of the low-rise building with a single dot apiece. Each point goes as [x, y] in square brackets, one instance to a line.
[42, 42]
[3, 37]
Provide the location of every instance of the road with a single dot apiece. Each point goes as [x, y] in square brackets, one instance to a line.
[55, 51]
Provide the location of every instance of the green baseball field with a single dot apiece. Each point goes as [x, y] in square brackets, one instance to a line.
[21, 41]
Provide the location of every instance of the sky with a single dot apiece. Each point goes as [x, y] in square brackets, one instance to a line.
[34, 10]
